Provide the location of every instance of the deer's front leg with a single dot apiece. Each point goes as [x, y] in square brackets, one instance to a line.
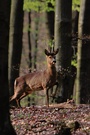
[53, 94]
[47, 97]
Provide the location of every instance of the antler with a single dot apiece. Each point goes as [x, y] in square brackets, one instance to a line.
[51, 48]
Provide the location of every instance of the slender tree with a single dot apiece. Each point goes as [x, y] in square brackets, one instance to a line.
[15, 40]
[36, 38]
[83, 59]
[29, 41]
[5, 123]
[30, 48]
[50, 21]
[63, 16]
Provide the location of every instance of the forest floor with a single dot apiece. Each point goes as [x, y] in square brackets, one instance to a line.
[60, 119]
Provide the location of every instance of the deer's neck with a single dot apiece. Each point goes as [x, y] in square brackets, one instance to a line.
[51, 70]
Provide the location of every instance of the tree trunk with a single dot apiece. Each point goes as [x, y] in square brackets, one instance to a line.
[63, 15]
[29, 42]
[36, 39]
[15, 40]
[50, 18]
[75, 17]
[83, 59]
[5, 123]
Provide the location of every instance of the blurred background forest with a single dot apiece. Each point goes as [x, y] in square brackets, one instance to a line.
[27, 27]
[35, 25]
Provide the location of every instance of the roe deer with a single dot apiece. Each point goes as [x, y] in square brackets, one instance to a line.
[39, 80]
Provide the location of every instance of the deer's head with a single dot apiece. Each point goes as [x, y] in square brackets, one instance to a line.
[51, 56]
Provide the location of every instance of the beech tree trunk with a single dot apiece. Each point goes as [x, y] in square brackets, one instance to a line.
[5, 123]
[83, 59]
[15, 41]
[63, 16]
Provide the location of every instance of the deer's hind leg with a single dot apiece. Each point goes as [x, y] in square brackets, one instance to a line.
[13, 98]
[24, 95]
[13, 101]
[18, 93]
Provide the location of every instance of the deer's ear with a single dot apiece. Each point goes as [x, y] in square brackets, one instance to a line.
[46, 52]
[56, 51]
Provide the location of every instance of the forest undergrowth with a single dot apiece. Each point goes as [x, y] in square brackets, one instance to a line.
[59, 119]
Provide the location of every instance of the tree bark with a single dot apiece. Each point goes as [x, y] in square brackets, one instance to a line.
[15, 41]
[50, 18]
[36, 39]
[5, 123]
[83, 59]
[63, 15]
[29, 42]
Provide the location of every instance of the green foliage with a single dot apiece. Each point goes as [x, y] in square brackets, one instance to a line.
[39, 6]
[76, 5]
[74, 61]
[43, 5]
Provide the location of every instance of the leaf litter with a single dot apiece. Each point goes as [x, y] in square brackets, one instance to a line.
[55, 120]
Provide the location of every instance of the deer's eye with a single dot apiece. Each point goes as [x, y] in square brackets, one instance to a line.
[50, 57]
